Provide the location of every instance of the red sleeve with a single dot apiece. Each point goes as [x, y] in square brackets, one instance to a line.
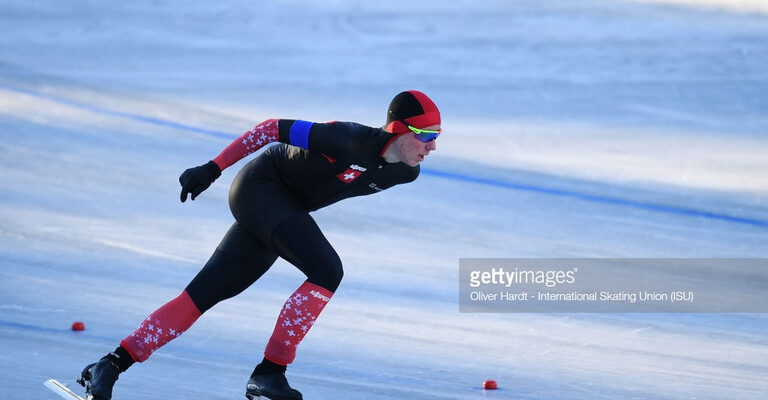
[258, 137]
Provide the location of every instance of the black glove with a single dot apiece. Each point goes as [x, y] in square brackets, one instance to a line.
[197, 179]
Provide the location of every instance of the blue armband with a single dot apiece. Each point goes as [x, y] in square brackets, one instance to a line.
[299, 133]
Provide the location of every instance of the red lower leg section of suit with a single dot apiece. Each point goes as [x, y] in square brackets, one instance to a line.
[165, 324]
[298, 315]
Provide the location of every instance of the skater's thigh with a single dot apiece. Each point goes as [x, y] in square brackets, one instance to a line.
[300, 241]
[239, 260]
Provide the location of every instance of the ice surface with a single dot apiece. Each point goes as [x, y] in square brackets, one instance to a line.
[572, 129]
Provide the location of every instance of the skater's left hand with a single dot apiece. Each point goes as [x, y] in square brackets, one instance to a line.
[195, 180]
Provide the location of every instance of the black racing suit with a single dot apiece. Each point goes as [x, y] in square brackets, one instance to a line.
[271, 198]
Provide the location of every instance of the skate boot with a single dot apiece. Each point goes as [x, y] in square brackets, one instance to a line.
[99, 378]
[272, 387]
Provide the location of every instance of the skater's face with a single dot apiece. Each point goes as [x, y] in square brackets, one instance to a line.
[412, 150]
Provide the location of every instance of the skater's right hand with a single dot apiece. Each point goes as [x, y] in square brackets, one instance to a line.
[195, 180]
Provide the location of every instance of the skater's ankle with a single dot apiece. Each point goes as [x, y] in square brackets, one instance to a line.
[268, 367]
[121, 358]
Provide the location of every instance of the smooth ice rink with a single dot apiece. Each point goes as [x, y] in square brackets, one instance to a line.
[572, 128]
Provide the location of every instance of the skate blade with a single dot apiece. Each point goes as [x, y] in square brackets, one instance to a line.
[64, 391]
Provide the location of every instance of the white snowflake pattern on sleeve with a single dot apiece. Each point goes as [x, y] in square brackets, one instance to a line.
[249, 142]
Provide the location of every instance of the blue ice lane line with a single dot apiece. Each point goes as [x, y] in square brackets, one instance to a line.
[597, 198]
[448, 175]
[47, 329]
[28, 327]
[116, 113]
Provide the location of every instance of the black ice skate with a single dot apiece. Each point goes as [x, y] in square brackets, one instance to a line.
[271, 387]
[99, 378]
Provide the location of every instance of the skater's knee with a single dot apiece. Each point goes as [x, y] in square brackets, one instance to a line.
[328, 277]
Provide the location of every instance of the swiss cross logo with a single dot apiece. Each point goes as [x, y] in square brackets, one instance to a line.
[351, 173]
